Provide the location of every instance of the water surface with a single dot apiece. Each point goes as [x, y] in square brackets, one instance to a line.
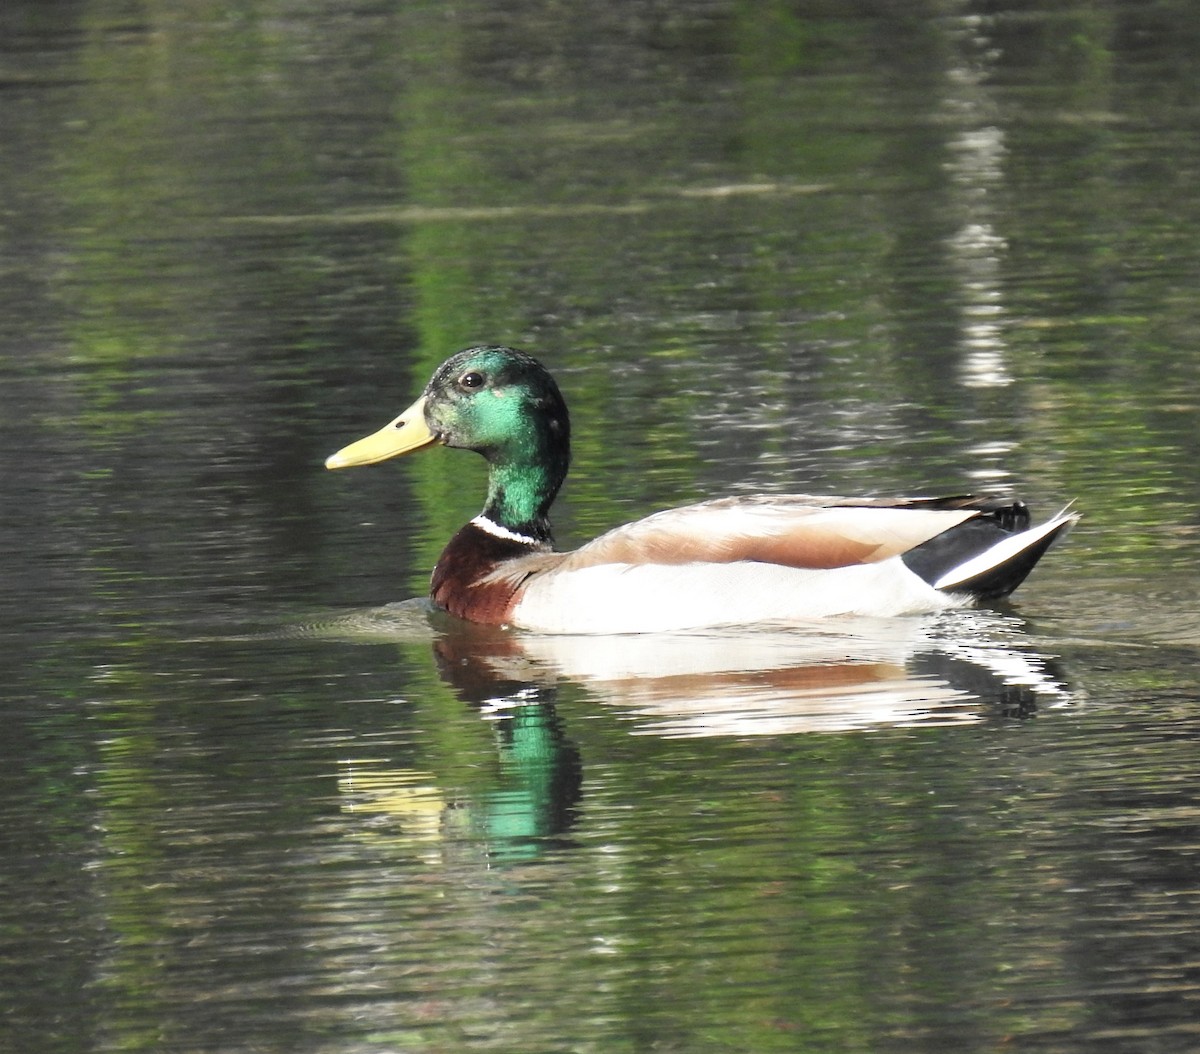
[255, 799]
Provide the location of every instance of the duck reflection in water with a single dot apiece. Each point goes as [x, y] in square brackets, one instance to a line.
[860, 675]
[825, 678]
[529, 801]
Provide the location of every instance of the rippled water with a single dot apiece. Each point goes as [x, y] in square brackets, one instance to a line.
[256, 798]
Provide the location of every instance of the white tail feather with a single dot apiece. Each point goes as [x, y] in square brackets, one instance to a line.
[1005, 550]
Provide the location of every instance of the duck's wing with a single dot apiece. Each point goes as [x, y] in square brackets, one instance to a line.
[801, 531]
[771, 560]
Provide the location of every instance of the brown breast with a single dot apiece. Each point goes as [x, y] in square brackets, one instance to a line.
[465, 582]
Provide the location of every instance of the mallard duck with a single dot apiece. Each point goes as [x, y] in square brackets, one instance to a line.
[731, 561]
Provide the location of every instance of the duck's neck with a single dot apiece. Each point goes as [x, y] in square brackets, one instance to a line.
[521, 491]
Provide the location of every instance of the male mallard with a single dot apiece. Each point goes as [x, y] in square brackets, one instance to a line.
[730, 561]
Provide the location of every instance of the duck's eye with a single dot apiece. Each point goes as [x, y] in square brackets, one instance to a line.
[471, 380]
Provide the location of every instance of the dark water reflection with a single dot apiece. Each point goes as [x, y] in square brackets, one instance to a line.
[251, 803]
[444, 837]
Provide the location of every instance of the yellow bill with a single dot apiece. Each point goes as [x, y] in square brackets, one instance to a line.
[407, 433]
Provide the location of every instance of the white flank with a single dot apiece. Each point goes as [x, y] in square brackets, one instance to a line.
[653, 598]
[1004, 550]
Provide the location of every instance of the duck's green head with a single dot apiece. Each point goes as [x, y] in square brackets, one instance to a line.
[501, 403]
